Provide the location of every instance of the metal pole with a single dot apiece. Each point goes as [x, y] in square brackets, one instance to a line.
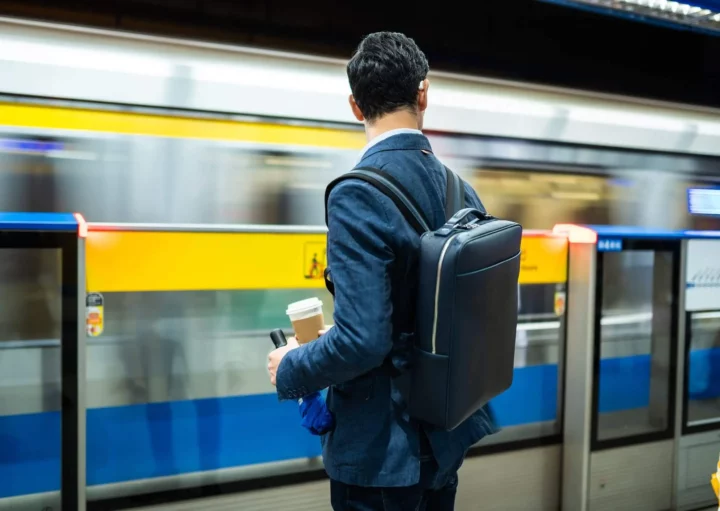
[72, 349]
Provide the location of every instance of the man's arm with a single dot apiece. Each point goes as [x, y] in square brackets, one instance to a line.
[360, 259]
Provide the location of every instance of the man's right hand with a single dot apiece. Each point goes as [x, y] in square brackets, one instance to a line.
[327, 328]
[276, 356]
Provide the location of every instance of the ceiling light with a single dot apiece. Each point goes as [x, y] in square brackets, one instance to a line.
[679, 13]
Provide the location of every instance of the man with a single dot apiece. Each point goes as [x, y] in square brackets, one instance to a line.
[377, 457]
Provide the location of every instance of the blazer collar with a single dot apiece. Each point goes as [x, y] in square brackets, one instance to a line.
[400, 139]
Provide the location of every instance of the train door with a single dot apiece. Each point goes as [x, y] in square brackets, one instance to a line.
[621, 371]
[699, 386]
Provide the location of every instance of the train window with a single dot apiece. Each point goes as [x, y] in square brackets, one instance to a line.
[635, 368]
[539, 200]
[29, 298]
[282, 187]
[703, 370]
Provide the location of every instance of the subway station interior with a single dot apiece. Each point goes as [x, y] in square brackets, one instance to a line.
[163, 166]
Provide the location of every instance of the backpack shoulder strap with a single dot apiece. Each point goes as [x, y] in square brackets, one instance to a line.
[391, 188]
[455, 197]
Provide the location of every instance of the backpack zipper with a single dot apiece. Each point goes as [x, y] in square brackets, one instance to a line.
[437, 289]
[444, 250]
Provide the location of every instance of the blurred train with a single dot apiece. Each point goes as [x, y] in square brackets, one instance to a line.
[130, 129]
[141, 130]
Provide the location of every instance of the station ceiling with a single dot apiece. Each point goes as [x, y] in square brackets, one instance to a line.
[522, 40]
[697, 15]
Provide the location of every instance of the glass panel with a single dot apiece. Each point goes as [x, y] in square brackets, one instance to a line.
[178, 382]
[530, 407]
[539, 200]
[635, 336]
[704, 369]
[30, 319]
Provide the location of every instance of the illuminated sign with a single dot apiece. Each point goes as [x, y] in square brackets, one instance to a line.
[704, 201]
[609, 245]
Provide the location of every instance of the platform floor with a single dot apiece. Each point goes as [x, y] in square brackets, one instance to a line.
[238, 502]
[305, 497]
[487, 483]
[480, 488]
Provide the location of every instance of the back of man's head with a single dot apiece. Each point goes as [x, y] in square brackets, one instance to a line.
[385, 74]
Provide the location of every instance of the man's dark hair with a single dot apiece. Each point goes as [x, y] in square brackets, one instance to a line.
[385, 74]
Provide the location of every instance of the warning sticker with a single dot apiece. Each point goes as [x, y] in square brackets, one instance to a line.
[94, 314]
[315, 260]
[560, 300]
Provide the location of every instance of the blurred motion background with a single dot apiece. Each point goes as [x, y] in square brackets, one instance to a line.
[197, 113]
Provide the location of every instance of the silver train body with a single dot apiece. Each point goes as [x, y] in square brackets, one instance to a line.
[536, 155]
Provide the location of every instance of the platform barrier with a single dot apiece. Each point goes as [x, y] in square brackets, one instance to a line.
[177, 321]
[33, 246]
[651, 449]
[698, 387]
[193, 305]
[250, 275]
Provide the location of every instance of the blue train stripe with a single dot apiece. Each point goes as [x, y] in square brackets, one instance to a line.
[160, 439]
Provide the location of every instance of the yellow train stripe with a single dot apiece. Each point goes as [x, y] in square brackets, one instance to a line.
[176, 261]
[35, 116]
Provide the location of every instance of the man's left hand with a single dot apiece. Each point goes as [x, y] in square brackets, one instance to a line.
[276, 356]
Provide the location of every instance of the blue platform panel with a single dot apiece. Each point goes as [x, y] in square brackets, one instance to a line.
[630, 232]
[38, 222]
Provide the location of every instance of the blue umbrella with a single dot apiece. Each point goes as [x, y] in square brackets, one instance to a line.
[316, 417]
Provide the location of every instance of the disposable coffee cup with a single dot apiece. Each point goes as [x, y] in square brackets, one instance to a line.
[307, 319]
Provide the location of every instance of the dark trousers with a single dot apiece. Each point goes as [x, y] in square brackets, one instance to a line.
[435, 492]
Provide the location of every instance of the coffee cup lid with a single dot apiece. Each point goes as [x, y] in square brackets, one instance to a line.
[303, 305]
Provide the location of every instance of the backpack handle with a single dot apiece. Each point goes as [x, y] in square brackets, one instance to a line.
[462, 215]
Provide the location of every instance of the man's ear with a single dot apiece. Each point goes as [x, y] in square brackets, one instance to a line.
[423, 95]
[356, 109]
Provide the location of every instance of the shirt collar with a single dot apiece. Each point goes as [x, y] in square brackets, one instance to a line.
[385, 136]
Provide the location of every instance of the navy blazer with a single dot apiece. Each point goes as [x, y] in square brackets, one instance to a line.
[372, 254]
